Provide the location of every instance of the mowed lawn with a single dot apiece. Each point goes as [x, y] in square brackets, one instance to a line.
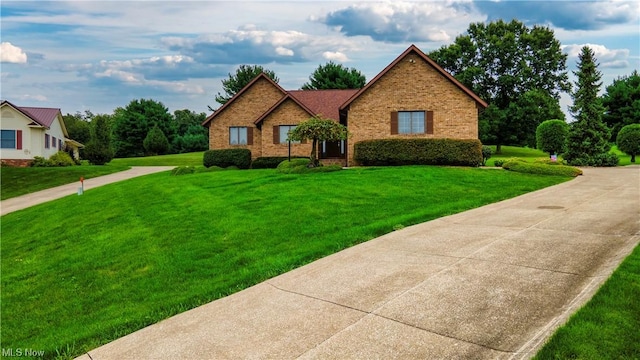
[20, 181]
[93, 268]
[187, 159]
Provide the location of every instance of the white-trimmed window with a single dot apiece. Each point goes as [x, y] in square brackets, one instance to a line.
[240, 135]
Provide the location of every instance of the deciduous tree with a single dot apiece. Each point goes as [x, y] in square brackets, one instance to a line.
[622, 102]
[501, 62]
[318, 129]
[335, 76]
[551, 136]
[628, 140]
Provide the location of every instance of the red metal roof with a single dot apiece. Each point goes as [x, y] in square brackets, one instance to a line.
[43, 116]
[323, 102]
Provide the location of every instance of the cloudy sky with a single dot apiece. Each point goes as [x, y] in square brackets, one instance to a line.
[99, 55]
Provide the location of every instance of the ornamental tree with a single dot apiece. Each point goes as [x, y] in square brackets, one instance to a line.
[628, 140]
[551, 136]
[318, 129]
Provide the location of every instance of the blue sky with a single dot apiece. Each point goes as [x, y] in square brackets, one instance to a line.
[99, 55]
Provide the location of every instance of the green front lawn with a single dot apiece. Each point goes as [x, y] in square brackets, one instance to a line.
[93, 268]
[608, 326]
[188, 159]
[21, 181]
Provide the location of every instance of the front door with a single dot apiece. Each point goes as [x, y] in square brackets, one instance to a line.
[332, 149]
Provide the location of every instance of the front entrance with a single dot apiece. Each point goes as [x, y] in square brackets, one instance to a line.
[333, 149]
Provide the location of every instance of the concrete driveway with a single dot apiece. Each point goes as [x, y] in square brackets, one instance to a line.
[28, 200]
[489, 283]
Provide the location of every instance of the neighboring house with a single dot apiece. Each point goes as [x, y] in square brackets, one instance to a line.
[32, 131]
[412, 97]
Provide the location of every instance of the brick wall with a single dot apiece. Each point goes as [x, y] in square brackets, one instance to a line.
[412, 85]
[254, 102]
[288, 113]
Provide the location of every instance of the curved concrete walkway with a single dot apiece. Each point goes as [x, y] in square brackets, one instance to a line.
[492, 282]
[25, 201]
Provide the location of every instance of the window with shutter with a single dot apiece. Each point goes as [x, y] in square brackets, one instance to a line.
[283, 130]
[394, 122]
[240, 135]
[413, 122]
[19, 139]
[8, 139]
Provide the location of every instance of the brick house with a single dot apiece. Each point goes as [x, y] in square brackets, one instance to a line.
[411, 97]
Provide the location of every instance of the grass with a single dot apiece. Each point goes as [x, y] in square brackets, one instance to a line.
[508, 152]
[96, 267]
[530, 155]
[191, 159]
[21, 181]
[608, 326]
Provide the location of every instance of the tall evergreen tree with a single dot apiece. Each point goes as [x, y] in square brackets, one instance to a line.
[587, 143]
[98, 151]
[134, 122]
[335, 76]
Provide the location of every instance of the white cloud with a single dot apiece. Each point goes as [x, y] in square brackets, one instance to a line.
[608, 58]
[402, 21]
[36, 97]
[12, 54]
[335, 56]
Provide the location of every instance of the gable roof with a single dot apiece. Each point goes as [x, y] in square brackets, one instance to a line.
[324, 102]
[443, 72]
[39, 115]
[239, 93]
[282, 100]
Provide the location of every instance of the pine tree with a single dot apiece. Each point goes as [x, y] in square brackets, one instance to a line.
[587, 143]
[156, 142]
[98, 151]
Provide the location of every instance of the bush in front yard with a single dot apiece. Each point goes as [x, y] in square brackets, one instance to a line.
[392, 152]
[486, 154]
[540, 168]
[60, 158]
[301, 166]
[270, 162]
[240, 158]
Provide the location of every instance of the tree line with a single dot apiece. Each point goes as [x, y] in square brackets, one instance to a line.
[519, 71]
[143, 127]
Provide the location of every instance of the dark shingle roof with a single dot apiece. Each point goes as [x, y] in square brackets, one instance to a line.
[323, 102]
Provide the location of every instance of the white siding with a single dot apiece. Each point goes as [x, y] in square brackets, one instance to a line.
[32, 138]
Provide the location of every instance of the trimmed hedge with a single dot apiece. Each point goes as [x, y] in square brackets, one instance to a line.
[393, 152]
[540, 168]
[271, 162]
[240, 158]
